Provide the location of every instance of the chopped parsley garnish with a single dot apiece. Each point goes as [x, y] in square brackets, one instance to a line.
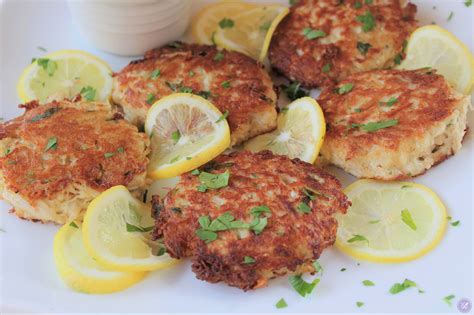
[214, 181]
[363, 47]
[374, 126]
[175, 159]
[175, 44]
[374, 221]
[455, 223]
[176, 210]
[281, 302]
[88, 92]
[326, 68]
[48, 65]
[343, 269]
[155, 74]
[310, 33]
[191, 73]
[185, 89]
[367, 20]
[294, 91]
[301, 286]
[226, 23]
[317, 266]
[265, 26]
[346, 88]
[368, 283]
[407, 219]
[137, 228]
[120, 150]
[368, 2]
[204, 94]
[195, 172]
[109, 154]
[308, 193]
[399, 287]
[357, 5]
[447, 299]
[224, 222]
[175, 136]
[392, 100]
[468, 3]
[303, 208]
[225, 84]
[52, 144]
[359, 304]
[202, 188]
[150, 98]
[405, 186]
[219, 56]
[358, 238]
[41, 48]
[223, 116]
[398, 59]
[258, 210]
[357, 110]
[450, 16]
[248, 260]
[47, 113]
[73, 224]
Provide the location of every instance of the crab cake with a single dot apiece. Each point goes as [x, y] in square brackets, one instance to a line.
[232, 81]
[248, 217]
[322, 41]
[392, 124]
[57, 157]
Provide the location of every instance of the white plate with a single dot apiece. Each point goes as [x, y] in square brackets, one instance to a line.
[29, 281]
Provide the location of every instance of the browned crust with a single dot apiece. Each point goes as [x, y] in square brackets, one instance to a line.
[290, 241]
[302, 60]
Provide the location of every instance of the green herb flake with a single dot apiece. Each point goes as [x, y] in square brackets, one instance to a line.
[374, 221]
[359, 304]
[150, 98]
[317, 267]
[202, 188]
[47, 113]
[447, 299]
[346, 88]
[155, 74]
[398, 59]
[120, 150]
[195, 172]
[175, 159]
[88, 92]
[223, 116]
[308, 193]
[248, 260]
[374, 126]
[41, 48]
[468, 3]
[303, 208]
[358, 238]
[310, 33]
[294, 91]
[175, 136]
[137, 228]
[206, 236]
[109, 154]
[265, 26]
[281, 303]
[225, 84]
[450, 16]
[406, 186]
[191, 73]
[367, 20]
[368, 2]
[204, 94]
[258, 225]
[407, 219]
[368, 283]
[219, 56]
[363, 47]
[399, 287]
[357, 5]
[258, 210]
[48, 65]
[326, 68]
[301, 286]
[455, 223]
[343, 269]
[214, 181]
[73, 224]
[357, 110]
[52, 144]
[185, 89]
[226, 23]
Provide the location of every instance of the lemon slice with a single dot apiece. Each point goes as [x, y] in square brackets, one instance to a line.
[435, 47]
[300, 132]
[82, 273]
[390, 221]
[116, 227]
[65, 74]
[252, 30]
[186, 131]
[205, 23]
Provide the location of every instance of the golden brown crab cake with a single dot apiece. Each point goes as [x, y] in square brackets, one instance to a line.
[392, 124]
[321, 41]
[57, 157]
[230, 80]
[272, 216]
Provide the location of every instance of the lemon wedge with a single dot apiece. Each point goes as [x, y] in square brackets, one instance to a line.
[435, 47]
[82, 273]
[300, 132]
[250, 32]
[116, 233]
[205, 23]
[65, 74]
[186, 131]
[390, 222]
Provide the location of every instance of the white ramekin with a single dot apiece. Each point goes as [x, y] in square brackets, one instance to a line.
[130, 27]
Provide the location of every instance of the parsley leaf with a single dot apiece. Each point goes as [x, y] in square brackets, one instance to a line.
[225, 84]
[310, 33]
[175, 136]
[374, 126]
[88, 92]
[224, 222]
[468, 3]
[447, 299]
[407, 219]
[357, 5]
[137, 228]
[357, 238]
[223, 116]
[195, 172]
[73, 224]
[343, 269]
[48, 65]
[191, 73]
[214, 181]
[374, 221]
[367, 20]
[363, 47]
[109, 154]
[47, 113]
[265, 26]
[303, 208]
[392, 100]
[450, 16]
[346, 88]
[256, 211]
[150, 98]
[317, 266]
[226, 23]
[368, 283]
[359, 304]
[248, 260]
[301, 286]
[219, 56]
[294, 91]
[155, 74]
[207, 236]
[281, 303]
[258, 224]
[398, 59]
[399, 287]
[52, 144]
[326, 68]
[455, 223]
[185, 89]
